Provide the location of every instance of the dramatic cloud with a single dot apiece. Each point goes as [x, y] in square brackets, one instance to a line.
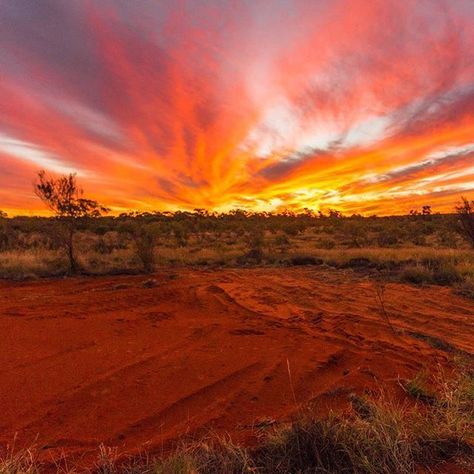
[363, 105]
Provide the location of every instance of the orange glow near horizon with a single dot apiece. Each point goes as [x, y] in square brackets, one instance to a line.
[364, 106]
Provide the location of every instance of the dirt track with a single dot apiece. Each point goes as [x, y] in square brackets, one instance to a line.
[91, 360]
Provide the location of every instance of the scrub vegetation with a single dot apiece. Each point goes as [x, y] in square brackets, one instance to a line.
[420, 248]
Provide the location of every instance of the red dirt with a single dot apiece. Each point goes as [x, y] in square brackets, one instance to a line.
[91, 360]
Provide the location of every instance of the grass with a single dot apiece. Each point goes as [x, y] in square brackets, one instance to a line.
[439, 265]
[20, 462]
[434, 342]
[418, 388]
[32, 263]
[377, 436]
[465, 288]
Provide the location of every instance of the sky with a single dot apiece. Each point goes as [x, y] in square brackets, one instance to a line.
[366, 106]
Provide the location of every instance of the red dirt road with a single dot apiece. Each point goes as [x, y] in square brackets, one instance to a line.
[91, 360]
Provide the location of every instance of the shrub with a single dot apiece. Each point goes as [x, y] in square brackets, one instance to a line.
[387, 239]
[419, 240]
[145, 237]
[326, 243]
[292, 229]
[446, 274]
[6, 237]
[416, 274]
[447, 238]
[254, 255]
[282, 242]
[305, 260]
[417, 387]
[356, 233]
[102, 247]
[359, 262]
[465, 213]
[255, 241]
[465, 288]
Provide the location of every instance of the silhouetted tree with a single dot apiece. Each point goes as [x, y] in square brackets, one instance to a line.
[63, 196]
[3, 215]
[334, 214]
[465, 212]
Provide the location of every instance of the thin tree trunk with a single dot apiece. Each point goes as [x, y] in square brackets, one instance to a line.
[70, 251]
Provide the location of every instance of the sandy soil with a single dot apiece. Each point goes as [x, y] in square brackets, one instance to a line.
[91, 360]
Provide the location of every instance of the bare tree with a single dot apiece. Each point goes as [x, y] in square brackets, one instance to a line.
[65, 198]
[465, 213]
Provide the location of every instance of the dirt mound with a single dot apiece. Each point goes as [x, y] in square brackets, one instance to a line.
[91, 360]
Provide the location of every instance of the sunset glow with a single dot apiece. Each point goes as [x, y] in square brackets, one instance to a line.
[366, 106]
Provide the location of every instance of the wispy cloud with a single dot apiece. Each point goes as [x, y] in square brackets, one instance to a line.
[365, 106]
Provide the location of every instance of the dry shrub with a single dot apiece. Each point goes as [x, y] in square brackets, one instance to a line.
[145, 238]
[465, 288]
[416, 274]
[465, 212]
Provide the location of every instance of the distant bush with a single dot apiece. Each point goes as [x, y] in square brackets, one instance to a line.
[416, 274]
[6, 237]
[255, 241]
[145, 238]
[465, 213]
[356, 234]
[102, 247]
[359, 262]
[181, 234]
[292, 229]
[446, 274]
[387, 239]
[419, 240]
[282, 241]
[101, 230]
[305, 260]
[447, 238]
[465, 288]
[326, 243]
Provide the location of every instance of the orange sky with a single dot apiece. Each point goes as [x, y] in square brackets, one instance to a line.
[362, 105]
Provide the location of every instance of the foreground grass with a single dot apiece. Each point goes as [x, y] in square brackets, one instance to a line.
[377, 436]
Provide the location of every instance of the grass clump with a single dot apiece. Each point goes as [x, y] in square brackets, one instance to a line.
[465, 288]
[417, 275]
[446, 274]
[23, 461]
[434, 341]
[417, 388]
